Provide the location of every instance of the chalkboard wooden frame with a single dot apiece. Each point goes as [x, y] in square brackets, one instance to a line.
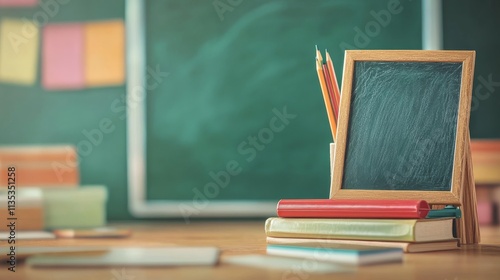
[434, 197]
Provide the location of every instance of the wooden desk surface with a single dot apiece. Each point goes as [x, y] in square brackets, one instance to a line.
[239, 238]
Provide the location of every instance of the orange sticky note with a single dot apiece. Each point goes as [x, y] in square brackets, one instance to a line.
[19, 40]
[104, 53]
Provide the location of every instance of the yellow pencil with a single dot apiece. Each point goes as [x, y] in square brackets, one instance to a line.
[326, 97]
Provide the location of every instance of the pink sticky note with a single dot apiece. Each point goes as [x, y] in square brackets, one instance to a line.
[18, 3]
[62, 56]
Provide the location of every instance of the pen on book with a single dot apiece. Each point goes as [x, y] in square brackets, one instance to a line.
[324, 90]
[449, 211]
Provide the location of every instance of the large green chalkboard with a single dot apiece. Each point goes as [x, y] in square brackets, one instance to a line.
[226, 75]
[231, 76]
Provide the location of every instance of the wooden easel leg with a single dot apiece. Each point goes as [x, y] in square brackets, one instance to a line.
[332, 159]
[468, 226]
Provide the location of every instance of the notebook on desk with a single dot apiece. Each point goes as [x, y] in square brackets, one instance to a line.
[166, 256]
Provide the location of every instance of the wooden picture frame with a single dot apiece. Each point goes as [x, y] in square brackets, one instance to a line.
[454, 196]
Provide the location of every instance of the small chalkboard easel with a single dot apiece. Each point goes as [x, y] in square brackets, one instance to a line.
[403, 130]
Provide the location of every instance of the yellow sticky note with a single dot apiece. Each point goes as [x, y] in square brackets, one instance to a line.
[19, 40]
[104, 53]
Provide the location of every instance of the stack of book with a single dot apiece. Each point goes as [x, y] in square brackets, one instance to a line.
[28, 209]
[40, 186]
[486, 162]
[350, 230]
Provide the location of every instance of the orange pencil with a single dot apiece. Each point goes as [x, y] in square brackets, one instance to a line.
[326, 97]
[333, 79]
[331, 92]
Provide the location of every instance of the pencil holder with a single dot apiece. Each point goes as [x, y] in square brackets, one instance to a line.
[332, 158]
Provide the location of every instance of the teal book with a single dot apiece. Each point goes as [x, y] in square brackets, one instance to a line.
[340, 253]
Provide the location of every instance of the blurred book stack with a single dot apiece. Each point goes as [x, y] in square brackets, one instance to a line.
[29, 209]
[325, 229]
[41, 166]
[41, 185]
[486, 165]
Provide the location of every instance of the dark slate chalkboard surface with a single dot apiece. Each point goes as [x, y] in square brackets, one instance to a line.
[402, 126]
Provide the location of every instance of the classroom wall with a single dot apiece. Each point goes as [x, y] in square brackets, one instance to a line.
[473, 25]
[33, 115]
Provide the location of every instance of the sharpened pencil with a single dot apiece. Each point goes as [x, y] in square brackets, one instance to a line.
[331, 92]
[333, 80]
[326, 97]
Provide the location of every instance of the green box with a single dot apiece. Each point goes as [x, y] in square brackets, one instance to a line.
[82, 207]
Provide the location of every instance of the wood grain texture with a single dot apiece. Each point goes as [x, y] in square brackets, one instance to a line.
[240, 238]
[430, 123]
[468, 226]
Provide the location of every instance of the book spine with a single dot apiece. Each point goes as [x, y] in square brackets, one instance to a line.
[38, 166]
[329, 208]
[356, 229]
[314, 253]
[326, 243]
[28, 210]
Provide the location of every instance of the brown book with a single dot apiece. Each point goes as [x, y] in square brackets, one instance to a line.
[26, 219]
[27, 211]
[40, 166]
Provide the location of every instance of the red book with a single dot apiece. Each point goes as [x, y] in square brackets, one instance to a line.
[352, 208]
